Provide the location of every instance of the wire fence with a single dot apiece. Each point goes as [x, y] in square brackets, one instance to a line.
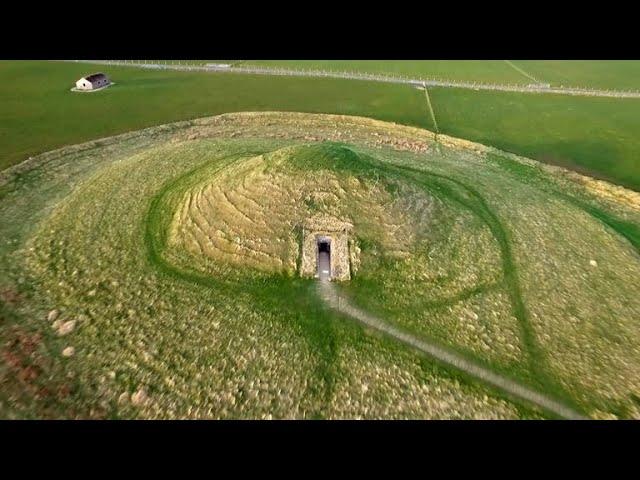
[420, 82]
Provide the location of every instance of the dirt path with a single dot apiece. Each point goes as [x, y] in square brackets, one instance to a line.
[329, 294]
[417, 82]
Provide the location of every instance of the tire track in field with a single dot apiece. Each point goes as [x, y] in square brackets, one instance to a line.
[431, 111]
[521, 71]
[330, 296]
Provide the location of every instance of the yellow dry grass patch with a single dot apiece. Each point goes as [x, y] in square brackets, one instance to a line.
[249, 214]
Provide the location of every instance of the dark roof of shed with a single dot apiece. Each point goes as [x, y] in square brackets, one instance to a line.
[96, 76]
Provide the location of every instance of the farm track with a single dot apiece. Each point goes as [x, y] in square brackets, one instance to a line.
[416, 82]
[329, 294]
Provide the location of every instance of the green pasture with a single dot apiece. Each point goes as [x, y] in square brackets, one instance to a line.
[597, 136]
[40, 113]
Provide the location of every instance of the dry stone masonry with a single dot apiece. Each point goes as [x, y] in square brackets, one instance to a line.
[336, 232]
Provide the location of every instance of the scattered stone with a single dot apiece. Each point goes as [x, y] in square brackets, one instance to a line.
[139, 398]
[66, 327]
[53, 314]
[68, 352]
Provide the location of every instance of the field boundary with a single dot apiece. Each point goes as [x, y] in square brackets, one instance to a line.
[397, 79]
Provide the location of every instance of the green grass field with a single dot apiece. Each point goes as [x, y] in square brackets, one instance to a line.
[171, 255]
[487, 71]
[607, 74]
[38, 115]
[596, 136]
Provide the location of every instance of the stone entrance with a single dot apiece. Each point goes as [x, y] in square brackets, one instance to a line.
[324, 257]
[325, 249]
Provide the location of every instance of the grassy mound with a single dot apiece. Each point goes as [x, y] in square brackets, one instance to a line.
[154, 275]
[249, 213]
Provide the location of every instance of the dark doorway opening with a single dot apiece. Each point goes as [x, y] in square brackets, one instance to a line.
[324, 259]
[324, 247]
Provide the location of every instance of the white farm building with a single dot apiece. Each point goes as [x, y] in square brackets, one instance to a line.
[93, 82]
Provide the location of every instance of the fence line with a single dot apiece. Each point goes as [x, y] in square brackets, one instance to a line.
[385, 78]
